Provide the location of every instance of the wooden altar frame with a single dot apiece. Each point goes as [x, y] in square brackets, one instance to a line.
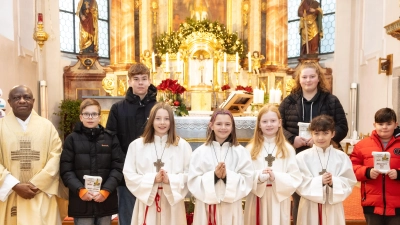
[237, 103]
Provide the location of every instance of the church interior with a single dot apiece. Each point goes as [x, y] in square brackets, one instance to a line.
[238, 43]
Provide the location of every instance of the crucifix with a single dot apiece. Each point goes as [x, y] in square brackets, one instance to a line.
[322, 172]
[270, 159]
[158, 164]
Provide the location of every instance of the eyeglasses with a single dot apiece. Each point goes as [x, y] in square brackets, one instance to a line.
[87, 115]
[18, 98]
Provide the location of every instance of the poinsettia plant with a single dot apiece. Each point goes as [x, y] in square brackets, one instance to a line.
[225, 87]
[248, 89]
[171, 91]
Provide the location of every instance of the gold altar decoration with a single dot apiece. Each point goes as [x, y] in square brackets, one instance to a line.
[154, 10]
[393, 29]
[40, 36]
[246, 12]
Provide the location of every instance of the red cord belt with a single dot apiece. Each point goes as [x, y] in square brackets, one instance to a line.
[158, 207]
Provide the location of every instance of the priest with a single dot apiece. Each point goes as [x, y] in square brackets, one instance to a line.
[30, 150]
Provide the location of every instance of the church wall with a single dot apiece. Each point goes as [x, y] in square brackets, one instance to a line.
[358, 46]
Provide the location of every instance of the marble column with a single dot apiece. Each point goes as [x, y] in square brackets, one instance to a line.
[114, 31]
[122, 32]
[127, 32]
[276, 40]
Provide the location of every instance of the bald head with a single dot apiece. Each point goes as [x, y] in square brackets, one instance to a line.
[21, 101]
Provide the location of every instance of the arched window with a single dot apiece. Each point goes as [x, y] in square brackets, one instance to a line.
[327, 44]
[69, 27]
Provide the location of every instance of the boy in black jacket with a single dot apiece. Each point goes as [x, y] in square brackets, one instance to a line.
[91, 150]
[128, 118]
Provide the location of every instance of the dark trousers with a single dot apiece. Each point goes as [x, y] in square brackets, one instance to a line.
[295, 209]
[375, 219]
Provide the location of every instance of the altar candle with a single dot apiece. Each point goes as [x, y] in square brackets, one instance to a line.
[255, 96]
[278, 94]
[153, 61]
[178, 62]
[249, 58]
[40, 18]
[261, 96]
[237, 62]
[166, 63]
[224, 62]
[271, 95]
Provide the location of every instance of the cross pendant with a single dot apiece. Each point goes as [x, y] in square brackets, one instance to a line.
[322, 172]
[270, 159]
[158, 164]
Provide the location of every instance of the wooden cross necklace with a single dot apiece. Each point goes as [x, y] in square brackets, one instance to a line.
[158, 164]
[327, 161]
[269, 158]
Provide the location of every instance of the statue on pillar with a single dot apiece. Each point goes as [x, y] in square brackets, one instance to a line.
[87, 12]
[311, 31]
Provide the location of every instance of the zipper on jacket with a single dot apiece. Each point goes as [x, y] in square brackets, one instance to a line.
[363, 190]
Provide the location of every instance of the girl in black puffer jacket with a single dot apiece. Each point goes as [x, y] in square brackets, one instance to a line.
[310, 98]
[91, 150]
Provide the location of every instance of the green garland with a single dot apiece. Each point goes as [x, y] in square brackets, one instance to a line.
[170, 43]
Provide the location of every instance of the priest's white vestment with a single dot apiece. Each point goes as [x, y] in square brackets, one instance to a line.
[274, 197]
[224, 199]
[31, 156]
[311, 162]
[140, 172]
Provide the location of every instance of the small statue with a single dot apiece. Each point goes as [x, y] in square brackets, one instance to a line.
[256, 61]
[87, 12]
[145, 58]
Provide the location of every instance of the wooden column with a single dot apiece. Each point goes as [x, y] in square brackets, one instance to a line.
[276, 40]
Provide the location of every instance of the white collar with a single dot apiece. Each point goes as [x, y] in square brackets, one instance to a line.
[24, 124]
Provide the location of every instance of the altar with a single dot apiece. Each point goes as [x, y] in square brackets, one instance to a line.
[193, 129]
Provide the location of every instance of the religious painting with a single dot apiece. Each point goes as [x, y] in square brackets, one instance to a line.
[213, 10]
[80, 92]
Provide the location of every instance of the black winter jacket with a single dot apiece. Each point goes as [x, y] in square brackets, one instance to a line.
[328, 104]
[94, 152]
[128, 117]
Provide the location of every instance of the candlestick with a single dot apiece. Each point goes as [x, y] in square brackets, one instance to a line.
[277, 96]
[224, 62]
[153, 61]
[166, 63]
[226, 78]
[167, 75]
[250, 78]
[237, 62]
[153, 75]
[249, 58]
[237, 78]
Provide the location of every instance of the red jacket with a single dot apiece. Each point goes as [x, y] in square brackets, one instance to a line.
[382, 195]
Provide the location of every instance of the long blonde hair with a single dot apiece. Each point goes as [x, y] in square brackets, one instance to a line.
[322, 84]
[149, 132]
[257, 141]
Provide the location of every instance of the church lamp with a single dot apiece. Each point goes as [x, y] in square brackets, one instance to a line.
[40, 36]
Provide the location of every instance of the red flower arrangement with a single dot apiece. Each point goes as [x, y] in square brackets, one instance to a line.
[171, 85]
[225, 87]
[248, 89]
[170, 91]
